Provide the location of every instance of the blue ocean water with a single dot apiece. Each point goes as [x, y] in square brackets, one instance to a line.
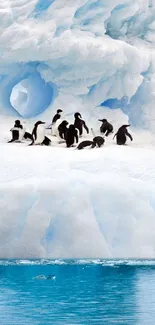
[78, 292]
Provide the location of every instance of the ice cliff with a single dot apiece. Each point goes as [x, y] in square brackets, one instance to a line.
[79, 54]
[63, 203]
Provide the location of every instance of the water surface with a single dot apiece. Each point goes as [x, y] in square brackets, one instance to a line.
[79, 292]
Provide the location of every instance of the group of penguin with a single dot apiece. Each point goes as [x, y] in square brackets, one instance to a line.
[68, 133]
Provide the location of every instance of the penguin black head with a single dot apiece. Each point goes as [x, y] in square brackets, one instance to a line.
[77, 115]
[39, 122]
[125, 126]
[103, 120]
[98, 141]
[64, 123]
[72, 127]
[59, 111]
[17, 122]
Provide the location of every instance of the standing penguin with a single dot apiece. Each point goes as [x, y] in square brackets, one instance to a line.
[106, 127]
[62, 129]
[80, 124]
[38, 134]
[121, 135]
[57, 115]
[57, 119]
[71, 136]
[18, 133]
[59, 128]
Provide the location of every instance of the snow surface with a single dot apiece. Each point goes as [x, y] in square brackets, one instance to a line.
[96, 57]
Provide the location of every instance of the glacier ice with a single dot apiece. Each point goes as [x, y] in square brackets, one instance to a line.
[77, 54]
[95, 203]
[96, 57]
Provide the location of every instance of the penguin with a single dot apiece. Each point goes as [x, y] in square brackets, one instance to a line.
[38, 134]
[57, 115]
[85, 144]
[106, 127]
[59, 128]
[71, 136]
[18, 133]
[99, 141]
[51, 277]
[121, 135]
[57, 119]
[62, 129]
[80, 124]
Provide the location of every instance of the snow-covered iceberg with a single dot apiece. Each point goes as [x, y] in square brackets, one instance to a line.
[77, 54]
[64, 204]
[96, 57]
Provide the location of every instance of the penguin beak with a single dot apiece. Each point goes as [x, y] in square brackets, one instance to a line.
[100, 120]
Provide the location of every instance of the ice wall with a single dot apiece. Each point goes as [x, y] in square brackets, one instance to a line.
[77, 54]
[90, 204]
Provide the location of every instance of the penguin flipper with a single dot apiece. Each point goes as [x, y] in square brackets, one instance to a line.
[46, 141]
[86, 127]
[28, 135]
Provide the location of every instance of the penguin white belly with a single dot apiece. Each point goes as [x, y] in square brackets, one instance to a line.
[78, 133]
[55, 131]
[20, 133]
[40, 134]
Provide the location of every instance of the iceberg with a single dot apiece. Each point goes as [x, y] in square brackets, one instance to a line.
[96, 57]
[61, 203]
[77, 54]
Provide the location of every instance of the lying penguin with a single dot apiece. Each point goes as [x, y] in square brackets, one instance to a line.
[96, 142]
[19, 133]
[86, 144]
[38, 135]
